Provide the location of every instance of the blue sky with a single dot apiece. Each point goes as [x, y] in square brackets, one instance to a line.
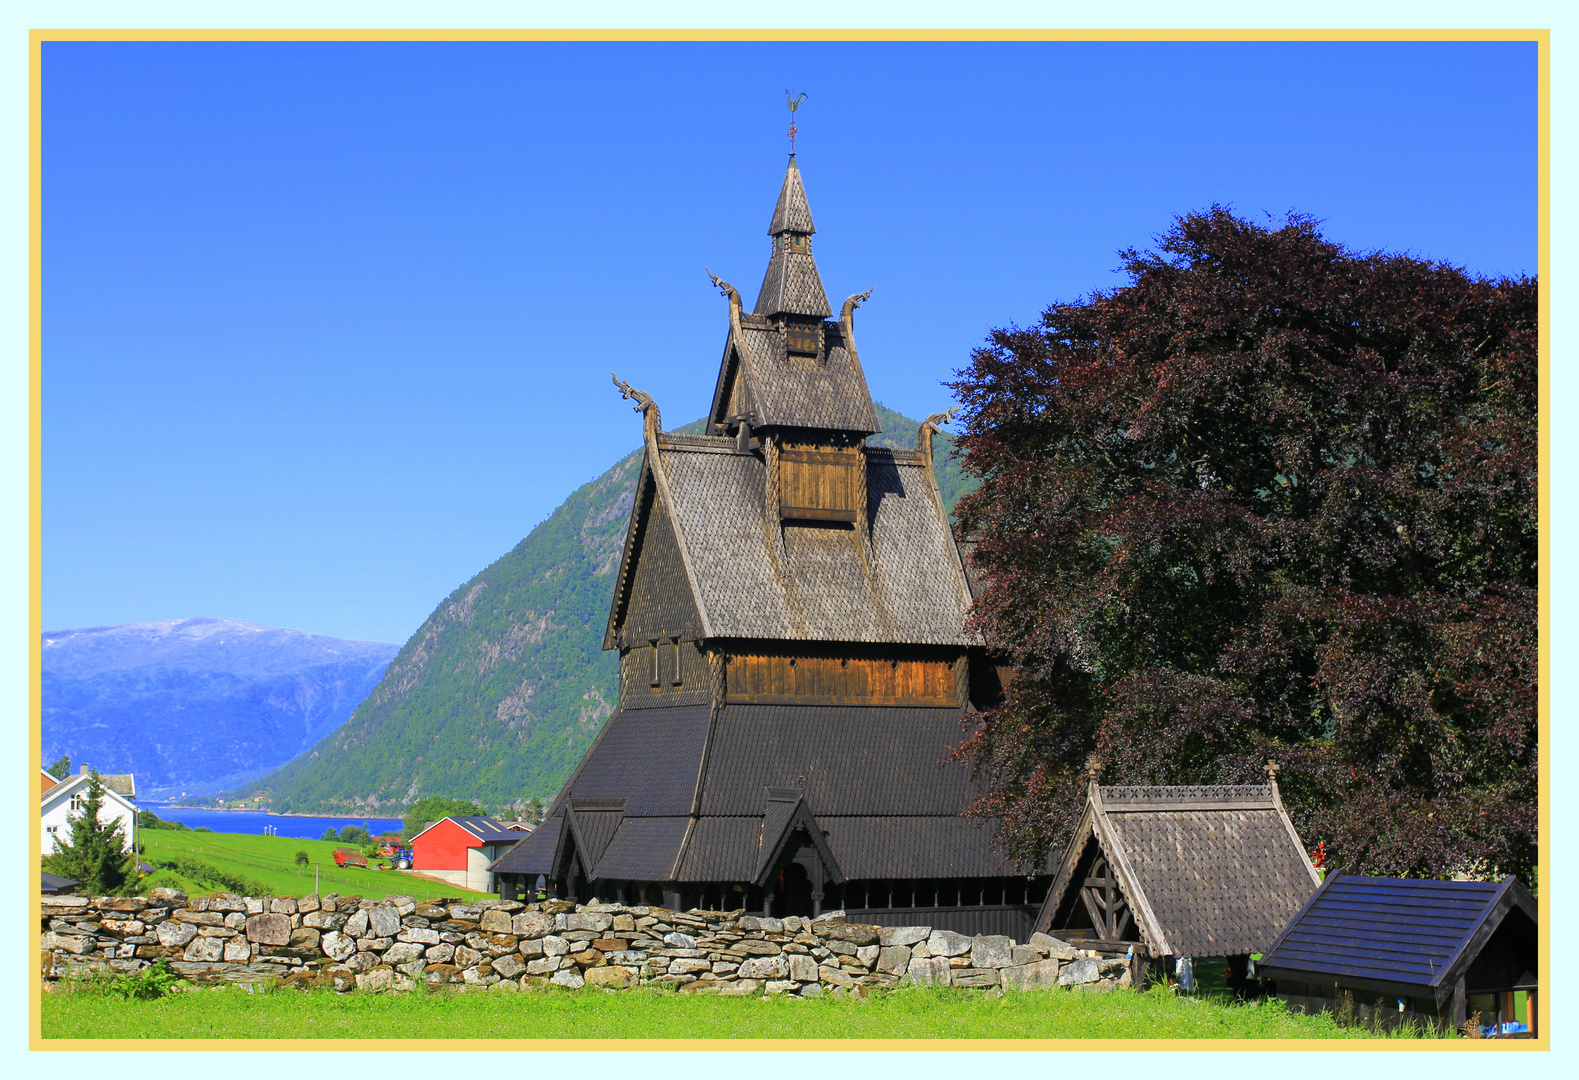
[328, 327]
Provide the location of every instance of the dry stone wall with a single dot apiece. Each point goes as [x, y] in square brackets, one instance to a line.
[504, 945]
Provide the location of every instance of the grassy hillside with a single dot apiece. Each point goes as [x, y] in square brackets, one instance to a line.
[498, 694]
[270, 860]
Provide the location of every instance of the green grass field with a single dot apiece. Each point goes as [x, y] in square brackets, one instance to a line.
[652, 1014]
[271, 860]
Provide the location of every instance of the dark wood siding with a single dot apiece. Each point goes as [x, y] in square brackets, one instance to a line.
[681, 674]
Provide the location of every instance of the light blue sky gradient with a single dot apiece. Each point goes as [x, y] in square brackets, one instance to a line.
[328, 327]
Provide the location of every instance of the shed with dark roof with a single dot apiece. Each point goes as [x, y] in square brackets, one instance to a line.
[1207, 870]
[790, 612]
[1412, 949]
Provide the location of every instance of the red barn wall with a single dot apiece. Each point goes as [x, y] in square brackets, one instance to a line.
[442, 847]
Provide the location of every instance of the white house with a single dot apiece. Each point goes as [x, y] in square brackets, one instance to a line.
[59, 803]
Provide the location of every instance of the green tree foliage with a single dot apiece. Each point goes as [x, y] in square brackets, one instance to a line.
[354, 834]
[330, 834]
[302, 858]
[500, 691]
[60, 768]
[1272, 499]
[147, 819]
[534, 810]
[425, 812]
[96, 857]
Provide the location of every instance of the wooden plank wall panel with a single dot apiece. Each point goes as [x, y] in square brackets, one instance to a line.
[828, 680]
[819, 483]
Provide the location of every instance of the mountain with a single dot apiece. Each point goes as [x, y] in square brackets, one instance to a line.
[497, 695]
[199, 704]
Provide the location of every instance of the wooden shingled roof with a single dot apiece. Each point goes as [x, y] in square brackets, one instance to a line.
[1207, 870]
[1407, 935]
[901, 582]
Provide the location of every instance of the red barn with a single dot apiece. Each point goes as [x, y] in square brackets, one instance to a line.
[459, 849]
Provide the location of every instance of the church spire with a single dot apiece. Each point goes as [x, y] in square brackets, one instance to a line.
[792, 285]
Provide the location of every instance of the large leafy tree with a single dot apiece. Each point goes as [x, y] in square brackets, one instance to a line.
[96, 857]
[1270, 499]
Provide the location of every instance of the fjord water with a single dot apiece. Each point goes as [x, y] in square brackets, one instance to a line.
[254, 822]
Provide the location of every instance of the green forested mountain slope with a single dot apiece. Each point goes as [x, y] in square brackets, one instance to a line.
[497, 695]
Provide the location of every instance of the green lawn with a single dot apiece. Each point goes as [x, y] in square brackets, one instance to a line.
[231, 1013]
[271, 860]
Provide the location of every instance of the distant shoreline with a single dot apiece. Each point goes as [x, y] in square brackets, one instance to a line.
[271, 813]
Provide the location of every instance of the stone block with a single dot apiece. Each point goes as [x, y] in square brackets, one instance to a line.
[338, 946]
[624, 922]
[546, 966]
[216, 931]
[894, 960]
[283, 905]
[236, 920]
[76, 944]
[760, 922]
[929, 971]
[383, 920]
[853, 933]
[764, 967]
[530, 948]
[423, 937]
[274, 929]
[465, 958]
[509, 966]
[308, 904]
[611, 977]
[689, 967]
[174, 934]
[357, 925]
[991, 951]
[204, 950]
[867, 955]
[256, 906]
[532, 924]
[679, 940]
[122, 927]
[1024, 954]
[467, 912]
[741, 988]
[568, 978]
[1053, 948]
[375, 981]
[498, 944]
[902, 935]
[1079, 972]
[778, 986]
[305, 938]
[238, 951]
[595, 921]
[439, 954]
[401, 952]
[495, 922]
[833, 975]
[374, 944]
[555, 946]
[199, 918]
[404, 905]
[802, 968]
[226, 902]
[1041, 975]
[430, 911]
[948, 943]
[974, 978]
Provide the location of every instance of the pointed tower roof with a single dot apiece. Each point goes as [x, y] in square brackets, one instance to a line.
[792, 285]
[792, 214]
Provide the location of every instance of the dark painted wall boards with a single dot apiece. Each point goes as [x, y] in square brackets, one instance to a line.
[794, 664]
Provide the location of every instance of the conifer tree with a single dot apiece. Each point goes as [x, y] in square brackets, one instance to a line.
[96, 858]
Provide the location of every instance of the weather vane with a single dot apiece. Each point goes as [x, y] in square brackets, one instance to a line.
[794, 107]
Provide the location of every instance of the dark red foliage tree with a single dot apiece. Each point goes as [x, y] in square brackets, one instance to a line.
[1271, 499]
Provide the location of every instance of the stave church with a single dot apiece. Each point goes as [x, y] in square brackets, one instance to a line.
[795, 668]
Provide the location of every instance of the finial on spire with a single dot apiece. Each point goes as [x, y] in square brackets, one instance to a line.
[794, 107]
[1094, 768]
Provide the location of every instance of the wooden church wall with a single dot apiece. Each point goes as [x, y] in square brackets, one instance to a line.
[776, 678]
[671, 672]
